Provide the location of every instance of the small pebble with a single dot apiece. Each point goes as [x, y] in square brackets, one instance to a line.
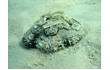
[35, 26]
[40, 44]
[36, 64]
[55, 48]
[83, 50]
[30, 66]
[79, 45]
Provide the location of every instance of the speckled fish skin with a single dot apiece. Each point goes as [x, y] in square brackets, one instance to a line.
[53, 32]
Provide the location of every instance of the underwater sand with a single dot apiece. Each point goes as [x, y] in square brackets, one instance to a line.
[84, 55]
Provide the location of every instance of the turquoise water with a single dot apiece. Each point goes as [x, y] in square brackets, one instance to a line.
[23, 13]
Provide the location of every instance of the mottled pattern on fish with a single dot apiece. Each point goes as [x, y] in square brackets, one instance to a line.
[53, 32]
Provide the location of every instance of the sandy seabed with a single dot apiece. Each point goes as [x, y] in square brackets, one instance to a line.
[86, 54]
